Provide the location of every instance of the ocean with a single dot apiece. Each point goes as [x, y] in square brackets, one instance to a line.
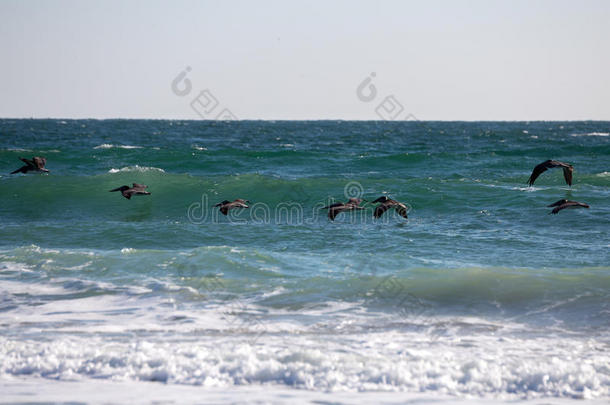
[480, 295]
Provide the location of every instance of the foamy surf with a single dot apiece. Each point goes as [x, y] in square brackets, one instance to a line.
[457, 366]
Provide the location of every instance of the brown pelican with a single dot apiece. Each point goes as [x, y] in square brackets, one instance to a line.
[336, 208]
[550, 164]
[36, 164]
[137, 189]
[563, 204]
[227, 205]
[386, 204]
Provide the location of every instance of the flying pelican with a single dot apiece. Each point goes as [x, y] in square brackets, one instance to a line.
[36, 164]
[137, 189]
[551, 164]
[227, 205]
[336, 208]
[386, 204]
[563, 204]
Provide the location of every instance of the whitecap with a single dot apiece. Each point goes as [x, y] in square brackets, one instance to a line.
[110, 146]
[136, 168]
[593, 134]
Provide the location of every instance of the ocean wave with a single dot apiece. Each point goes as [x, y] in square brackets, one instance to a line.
[416, 284]
[593, 134]
[483, 366]
[110, 146]
[136, 168]
[18, 150]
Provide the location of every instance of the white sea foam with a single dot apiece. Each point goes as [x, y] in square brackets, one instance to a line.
[109, 392]
[110, 146]
[593, 134]
[136, 168]
[121, 335]
[12, 267]
[485, 367]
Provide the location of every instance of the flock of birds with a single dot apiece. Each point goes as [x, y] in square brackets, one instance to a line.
[334, 209]
[567, 175]
[37, 164]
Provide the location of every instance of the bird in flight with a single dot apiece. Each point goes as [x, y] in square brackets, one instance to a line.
[386, 204]
[227, 205]
[136, 189]
[551, 164]
[36, 164]
[563, 204]
[337, 208]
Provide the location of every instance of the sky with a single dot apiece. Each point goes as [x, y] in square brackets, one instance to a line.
[297, 60]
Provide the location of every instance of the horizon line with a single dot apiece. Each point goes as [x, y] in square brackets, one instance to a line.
[297, 120]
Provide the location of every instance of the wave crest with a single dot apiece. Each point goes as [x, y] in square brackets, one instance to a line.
[136, 168]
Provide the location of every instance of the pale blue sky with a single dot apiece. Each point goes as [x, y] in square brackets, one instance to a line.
[445, 60]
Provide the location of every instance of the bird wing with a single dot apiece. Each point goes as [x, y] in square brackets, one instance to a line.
[333, 205]
[538, 170]
[28, 162]
[381, 208]
[39, 162]
[136, 185]
[335, 210]
[567, 174]
[558, 203]
[22, 169]
[556, 163]
[119, 189]
[559, 208]
[569, 204]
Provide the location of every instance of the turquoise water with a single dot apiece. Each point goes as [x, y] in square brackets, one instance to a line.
[89, 276]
